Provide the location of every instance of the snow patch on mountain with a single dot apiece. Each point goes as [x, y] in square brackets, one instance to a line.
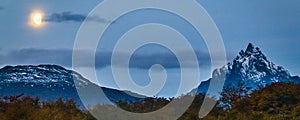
[252, 68]
[49, 82]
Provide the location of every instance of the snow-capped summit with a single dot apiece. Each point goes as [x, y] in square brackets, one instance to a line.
[252, 68]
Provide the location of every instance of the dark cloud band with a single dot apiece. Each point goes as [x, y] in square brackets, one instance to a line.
[103, 58]
[71, 17]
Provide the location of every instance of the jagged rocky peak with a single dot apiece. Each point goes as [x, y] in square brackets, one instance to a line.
[247, 58]
[251, 51]
[252, 68]
[252, 65]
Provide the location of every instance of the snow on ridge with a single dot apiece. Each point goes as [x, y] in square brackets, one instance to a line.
[40, 74]
[252, 66]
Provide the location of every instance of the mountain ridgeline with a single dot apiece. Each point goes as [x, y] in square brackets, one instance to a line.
[251, 68]
[50, 82]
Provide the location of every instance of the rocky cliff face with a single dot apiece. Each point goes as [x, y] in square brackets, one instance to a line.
[252, 68]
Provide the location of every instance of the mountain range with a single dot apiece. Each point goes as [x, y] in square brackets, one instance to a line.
[50, 82]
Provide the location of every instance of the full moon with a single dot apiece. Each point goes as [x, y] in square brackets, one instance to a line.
[36, 18]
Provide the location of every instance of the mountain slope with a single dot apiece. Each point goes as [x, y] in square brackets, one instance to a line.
[252, 68]
[49, 82]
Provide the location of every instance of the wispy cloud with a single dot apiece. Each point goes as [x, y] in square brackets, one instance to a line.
[103, 58]
[72, 17]
[49, 56]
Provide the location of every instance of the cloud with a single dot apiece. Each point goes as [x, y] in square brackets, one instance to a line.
[37, 56]
[103, 58]
[61, 57]
[71, 17]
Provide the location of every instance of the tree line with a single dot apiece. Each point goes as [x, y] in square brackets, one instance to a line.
[278, 101]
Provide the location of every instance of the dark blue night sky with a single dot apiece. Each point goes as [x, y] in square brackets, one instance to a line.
[272, 25]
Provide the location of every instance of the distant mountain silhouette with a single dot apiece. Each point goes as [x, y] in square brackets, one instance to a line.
[49, 82]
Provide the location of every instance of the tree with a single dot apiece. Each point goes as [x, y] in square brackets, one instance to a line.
[231, 96]
[27, 108]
